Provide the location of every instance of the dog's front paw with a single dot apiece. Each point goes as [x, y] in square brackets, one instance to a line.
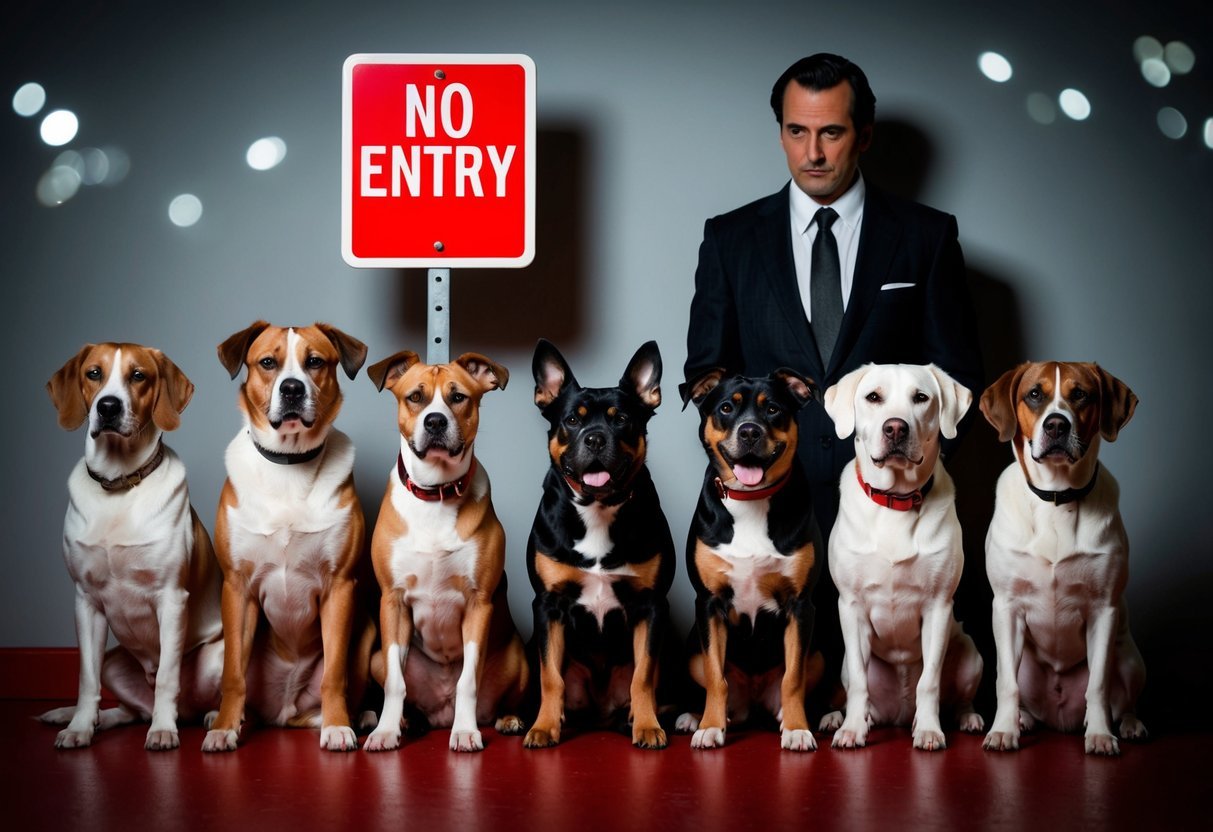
[1001, 741]
[220, 739]
[971, 722]
[928, 740]
[510, 726]
[71, 738]
[651, 737]
[1132, 729]
[162, 739]
[850, 736]
[58, 716]
[708, 738]
[467, 741]
[798, 740]
[831, 721]
[687, 723]
[1027, 722]
[541, 737]
[1102, 744]
[338, 738]
[383, 739]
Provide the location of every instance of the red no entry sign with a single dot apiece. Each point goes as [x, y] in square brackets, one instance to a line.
[438, 160]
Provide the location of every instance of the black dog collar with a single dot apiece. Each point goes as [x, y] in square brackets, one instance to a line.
[289, 459]
[128, 481]
[1070, 495]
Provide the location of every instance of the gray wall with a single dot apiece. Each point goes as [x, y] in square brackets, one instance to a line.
[1086, 241]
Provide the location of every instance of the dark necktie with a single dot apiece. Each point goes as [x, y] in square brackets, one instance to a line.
[825, 285]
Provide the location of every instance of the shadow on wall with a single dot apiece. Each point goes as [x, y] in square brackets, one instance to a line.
[503, 309]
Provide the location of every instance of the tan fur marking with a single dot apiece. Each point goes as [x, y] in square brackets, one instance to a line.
[713, 569]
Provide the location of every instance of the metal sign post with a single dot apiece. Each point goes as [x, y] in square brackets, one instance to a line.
[438, 317]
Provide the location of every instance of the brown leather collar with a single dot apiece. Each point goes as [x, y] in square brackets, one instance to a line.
[898, 502]
[437, 493]
[128, 481]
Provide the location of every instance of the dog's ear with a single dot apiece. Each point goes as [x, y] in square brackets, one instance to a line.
[173, 393]
[839, 401]
[954, 401]
[488, 374]
[643, 375]
[351, 350]
[802, 388]
[1116, 404]
[235, 348]
[387, 372]
[998, 402]
[551, 372]
[698, 387]
[65, 392]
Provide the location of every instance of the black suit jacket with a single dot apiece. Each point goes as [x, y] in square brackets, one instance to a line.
[747, 315]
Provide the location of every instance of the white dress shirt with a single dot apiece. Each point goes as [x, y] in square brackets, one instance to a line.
[846, 232]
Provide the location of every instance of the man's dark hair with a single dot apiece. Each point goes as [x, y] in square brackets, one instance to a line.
[824, 71]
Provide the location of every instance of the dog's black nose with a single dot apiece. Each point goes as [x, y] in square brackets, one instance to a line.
[595, 440]
[109, 407]
[1056, 426]
[435, 424]
[291, 388]
[896, 430]
[749, 433]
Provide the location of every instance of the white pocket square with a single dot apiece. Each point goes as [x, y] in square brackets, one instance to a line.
[886, 287]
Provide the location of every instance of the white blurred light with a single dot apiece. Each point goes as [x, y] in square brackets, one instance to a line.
[185, 210]
[1074, 104]
[266, 153]
[29, 99]
[96, 166]
[1145, 48]
[59, 127]
[1172, 123]
[119, 165]
[1179, 57]
[1041, 108]
[994, 66]
[58, 185]
[1156, 73]
[1209, 133]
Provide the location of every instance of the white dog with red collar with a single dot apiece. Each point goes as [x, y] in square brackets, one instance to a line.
[895, 554]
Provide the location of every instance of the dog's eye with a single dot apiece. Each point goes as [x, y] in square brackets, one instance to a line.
[1034, 395]
[572, 421]
[726, 408]
[268, 363]
[874, 397]
[314, 362]
[93, 374]
[773, 410]
[138, 375]
[621, 419]
[921, 397]
[456, 398]
[415, 397]
[1078, 395]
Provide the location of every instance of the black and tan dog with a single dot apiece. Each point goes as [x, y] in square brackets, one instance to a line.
[751, 558]
[600, 555]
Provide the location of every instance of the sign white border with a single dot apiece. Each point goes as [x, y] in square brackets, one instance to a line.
[347, 163]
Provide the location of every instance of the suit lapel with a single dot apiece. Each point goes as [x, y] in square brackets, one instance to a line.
[878, 238]
[774, 244]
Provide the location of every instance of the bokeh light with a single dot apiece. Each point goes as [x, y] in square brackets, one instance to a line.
[1041, 108]
[266, 153]
[59, 127]
[1156, 72]
[1179, 57]
[995, 67]
[57, 185]
[1074, 104]
[1172, 123]
[185, 210]
[29, 99]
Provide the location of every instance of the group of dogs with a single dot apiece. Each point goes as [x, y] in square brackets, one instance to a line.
[274, 623]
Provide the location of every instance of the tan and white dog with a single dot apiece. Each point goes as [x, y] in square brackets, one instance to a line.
[449, 643]
[1057, 557]
[290, 536]
[141, 560]
[895, 554]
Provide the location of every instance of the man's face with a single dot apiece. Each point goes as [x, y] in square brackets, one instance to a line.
[820, 140]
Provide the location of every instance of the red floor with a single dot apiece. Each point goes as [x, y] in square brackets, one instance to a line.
[280, 779]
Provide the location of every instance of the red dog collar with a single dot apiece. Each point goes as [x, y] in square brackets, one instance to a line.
[897, 502]
[437, 493]
[727, 493]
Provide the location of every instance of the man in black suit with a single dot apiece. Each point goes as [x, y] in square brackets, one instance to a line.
[884, 283]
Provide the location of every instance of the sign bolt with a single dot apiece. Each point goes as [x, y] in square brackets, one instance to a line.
[438, 246]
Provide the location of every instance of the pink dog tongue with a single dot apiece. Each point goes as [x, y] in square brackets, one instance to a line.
[596, 479]
[747, 474]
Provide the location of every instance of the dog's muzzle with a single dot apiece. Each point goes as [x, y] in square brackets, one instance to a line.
[109, 416]
[1056, 438]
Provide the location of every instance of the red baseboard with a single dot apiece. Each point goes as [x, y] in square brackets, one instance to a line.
[39, 672]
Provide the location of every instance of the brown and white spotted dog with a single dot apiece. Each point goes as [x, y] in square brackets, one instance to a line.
[1057, 556]
[600, 556]
[290, 537]
[751, 558]
[450, 648]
